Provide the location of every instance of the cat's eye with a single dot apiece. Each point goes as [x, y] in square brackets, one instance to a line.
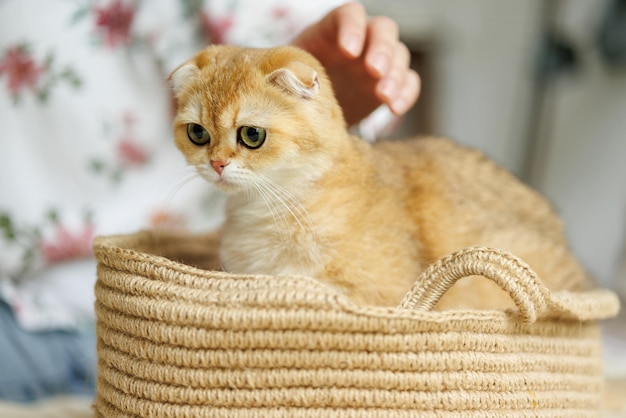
[197, 134]
[251, 137]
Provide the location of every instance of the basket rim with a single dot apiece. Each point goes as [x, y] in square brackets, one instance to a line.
[116, 251]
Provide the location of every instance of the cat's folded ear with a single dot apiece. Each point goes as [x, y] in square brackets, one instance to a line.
[183, 75]
[297, 78]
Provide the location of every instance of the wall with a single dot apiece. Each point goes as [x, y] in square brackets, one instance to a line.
[585, 163]
[482, 51]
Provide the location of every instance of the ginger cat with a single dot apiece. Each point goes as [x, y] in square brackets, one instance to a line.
[308, 198]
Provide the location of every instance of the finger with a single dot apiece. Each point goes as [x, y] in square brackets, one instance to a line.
[407, 94]
[350, 23]
[394, 79]
[382, 38]
[343, 27]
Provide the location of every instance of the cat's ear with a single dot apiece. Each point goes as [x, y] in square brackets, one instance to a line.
[183, 75]
[297, 78]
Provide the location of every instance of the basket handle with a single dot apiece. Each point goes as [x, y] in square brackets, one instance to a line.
[508, 271]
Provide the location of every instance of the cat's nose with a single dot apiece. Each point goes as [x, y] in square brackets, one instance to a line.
[218, 166]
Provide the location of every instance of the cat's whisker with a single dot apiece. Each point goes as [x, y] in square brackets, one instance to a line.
[187, 176]
[277, 216]
[278, 197]
[248, 193]
[273, 202]
[297, 206]
[270, 200]
[289, 202]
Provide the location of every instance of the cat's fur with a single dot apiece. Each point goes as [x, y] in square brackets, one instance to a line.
[317, 201]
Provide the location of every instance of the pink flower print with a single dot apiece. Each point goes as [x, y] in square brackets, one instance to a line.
[114, 22]
[283, 17]
[128, 120]
[215, 30]
[280, 12]
[130, 153]
[127, 151]
[66, 245]
[162, 219]
[20, 69]
[23, 72]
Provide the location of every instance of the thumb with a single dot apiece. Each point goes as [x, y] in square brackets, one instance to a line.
[344, 26]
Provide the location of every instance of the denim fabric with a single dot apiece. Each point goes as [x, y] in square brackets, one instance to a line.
[35, 365]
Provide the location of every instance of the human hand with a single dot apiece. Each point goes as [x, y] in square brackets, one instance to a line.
[365, 60]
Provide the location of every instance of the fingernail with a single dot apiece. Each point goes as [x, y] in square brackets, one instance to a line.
[352, 45]
[387, 88]
[398, 106]
[379, 63]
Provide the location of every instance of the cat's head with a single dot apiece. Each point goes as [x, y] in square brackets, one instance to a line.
[245, 115]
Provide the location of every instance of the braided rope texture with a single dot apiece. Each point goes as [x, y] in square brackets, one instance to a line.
[181, 341]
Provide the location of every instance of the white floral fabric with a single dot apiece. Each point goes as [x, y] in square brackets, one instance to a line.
[85, 138]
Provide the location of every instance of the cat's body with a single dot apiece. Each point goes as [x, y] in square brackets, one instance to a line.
[307, 198]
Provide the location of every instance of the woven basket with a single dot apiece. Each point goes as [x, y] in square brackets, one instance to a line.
[181, 341]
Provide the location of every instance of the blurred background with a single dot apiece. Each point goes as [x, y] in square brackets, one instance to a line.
[540, 86]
